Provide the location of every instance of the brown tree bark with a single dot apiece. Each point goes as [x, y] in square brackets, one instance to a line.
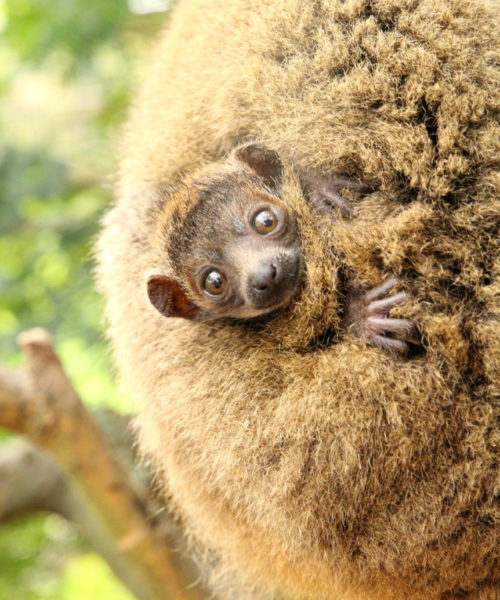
[39, 401]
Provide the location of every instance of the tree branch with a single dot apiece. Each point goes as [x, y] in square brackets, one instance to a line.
[13, 414]
[29, 481]
[39, 401]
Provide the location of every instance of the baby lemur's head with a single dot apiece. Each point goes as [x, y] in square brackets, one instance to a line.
[232, 243]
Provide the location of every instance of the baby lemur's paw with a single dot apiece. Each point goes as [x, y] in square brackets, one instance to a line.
[324, 192]
[367, 317]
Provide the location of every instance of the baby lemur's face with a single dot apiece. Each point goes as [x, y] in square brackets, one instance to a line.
[244, 259]
[234, 246]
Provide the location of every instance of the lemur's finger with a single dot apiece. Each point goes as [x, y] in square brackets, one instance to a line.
[350, 184]
[337, 199]
[397, 347]
[380, 290]
[380, 307]
[399, 326]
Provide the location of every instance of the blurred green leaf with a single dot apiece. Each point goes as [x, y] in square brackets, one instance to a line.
[32, 551]
[37, 29]
[88, 576]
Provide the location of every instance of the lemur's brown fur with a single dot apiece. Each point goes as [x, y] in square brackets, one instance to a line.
[311, 465]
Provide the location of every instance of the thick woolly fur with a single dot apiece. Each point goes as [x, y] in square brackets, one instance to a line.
[308, 464]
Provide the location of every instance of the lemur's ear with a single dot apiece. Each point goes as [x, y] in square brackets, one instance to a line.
[265, 162]
[168, 297]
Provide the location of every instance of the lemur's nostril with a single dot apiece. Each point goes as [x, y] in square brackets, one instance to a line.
[264, 277]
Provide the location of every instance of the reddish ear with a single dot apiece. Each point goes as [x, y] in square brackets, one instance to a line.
[266, 163]
[167, 296]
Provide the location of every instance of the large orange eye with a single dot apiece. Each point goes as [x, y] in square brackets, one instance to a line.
[215, 283]
[265, 222]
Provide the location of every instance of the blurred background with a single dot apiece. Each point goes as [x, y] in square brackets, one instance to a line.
[67, 71]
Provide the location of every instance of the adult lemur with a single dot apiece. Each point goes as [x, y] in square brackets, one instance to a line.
[309, 463]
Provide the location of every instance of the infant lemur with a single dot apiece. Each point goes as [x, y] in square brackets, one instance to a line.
[236, 250]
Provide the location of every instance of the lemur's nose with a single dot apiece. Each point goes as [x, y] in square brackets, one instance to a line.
[265, 277]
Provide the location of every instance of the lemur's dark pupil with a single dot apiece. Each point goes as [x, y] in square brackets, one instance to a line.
[265, 222]
[214, 282]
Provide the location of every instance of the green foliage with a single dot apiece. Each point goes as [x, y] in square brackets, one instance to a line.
[45, 560]
[33, 551]
[36, 29]
[66, 71]
[89, 577]
[55, 166]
